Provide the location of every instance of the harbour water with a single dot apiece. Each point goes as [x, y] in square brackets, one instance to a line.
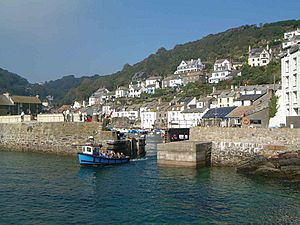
[51, 189]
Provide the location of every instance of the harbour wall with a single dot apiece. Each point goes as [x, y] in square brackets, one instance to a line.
[60, 137]
[229, 146]
[184, 154]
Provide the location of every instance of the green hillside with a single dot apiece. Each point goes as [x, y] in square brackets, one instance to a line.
[232, 44]
[13, 83]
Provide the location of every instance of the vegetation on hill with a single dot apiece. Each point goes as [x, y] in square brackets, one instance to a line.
[11, 82]
[232, 44]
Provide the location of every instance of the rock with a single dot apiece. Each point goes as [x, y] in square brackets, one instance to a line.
[285, 165]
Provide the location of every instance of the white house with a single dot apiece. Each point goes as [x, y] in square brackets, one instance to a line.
[97, 97]
[176, 119]
[191, 117]
[135, 90]
[76, 105]
[291, 38]
[222, 70]
[226, 98]
[279, 119]
[259, 56]
[246, 100]
[172, 81]
[290, 77]
[153, 81]
[189, 66]
[148, 118]
[121, 92]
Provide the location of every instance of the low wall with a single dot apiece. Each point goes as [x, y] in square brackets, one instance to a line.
[184, 154]
[275, 136]
[14, 119]
[61, 137]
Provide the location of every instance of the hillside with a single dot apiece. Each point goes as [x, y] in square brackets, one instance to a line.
[13, 83]
[232, 44]
[16, 85]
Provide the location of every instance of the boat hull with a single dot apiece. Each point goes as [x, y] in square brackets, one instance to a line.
[90, 160]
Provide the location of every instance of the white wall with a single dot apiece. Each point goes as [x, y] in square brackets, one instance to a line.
[280, 117]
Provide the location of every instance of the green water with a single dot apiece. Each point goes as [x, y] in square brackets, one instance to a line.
[50, 189]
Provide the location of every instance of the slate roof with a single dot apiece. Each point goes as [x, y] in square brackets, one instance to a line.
[26, 99]
[218, 112]
[5, 100]
[252, 97]
[151, 86]
[220, 60]
[226, 94]
[238, 112]
[263, 87]
[194, 110]
[172, 77]
[255, 52]
[205, 99]
[153, 78]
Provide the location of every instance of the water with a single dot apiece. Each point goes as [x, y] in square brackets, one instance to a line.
[49, 189]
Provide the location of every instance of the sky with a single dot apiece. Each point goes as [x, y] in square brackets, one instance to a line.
[44, 40]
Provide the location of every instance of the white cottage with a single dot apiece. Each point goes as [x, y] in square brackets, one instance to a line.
[259, 56]
[189, 66]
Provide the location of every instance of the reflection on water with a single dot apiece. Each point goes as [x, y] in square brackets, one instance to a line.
[47, 189]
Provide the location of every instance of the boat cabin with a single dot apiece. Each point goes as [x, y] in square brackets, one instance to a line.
[90, 150]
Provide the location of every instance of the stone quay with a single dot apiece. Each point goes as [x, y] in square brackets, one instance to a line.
[228, 146]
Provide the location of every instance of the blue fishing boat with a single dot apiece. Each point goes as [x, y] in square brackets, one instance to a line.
[93, 156]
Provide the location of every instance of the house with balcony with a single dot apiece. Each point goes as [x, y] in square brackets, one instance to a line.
[222, 70]
[187, 66]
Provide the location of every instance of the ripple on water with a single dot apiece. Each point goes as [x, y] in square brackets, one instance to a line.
[47, 189]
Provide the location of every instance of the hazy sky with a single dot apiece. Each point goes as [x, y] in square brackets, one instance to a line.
[47, 39]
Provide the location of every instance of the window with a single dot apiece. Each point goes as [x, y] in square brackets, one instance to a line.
[295, 63]
[264, 61]
[295, 80]
[287, 98]
[295, 97]
[255, 121]
[287, 65]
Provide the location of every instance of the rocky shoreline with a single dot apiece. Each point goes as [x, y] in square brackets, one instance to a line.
[281, 165]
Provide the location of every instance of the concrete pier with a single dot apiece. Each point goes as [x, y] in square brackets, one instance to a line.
[184, 154]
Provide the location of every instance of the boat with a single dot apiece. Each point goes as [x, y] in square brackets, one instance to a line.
[93, 156]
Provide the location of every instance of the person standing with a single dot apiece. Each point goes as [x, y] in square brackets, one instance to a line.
[22, 116]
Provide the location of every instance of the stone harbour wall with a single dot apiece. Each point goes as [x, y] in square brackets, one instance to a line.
[233, 153]
[231, 146]
[274, 136]
[60, 138]
[184, 154]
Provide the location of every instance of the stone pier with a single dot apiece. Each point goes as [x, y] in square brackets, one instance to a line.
[184, 154]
